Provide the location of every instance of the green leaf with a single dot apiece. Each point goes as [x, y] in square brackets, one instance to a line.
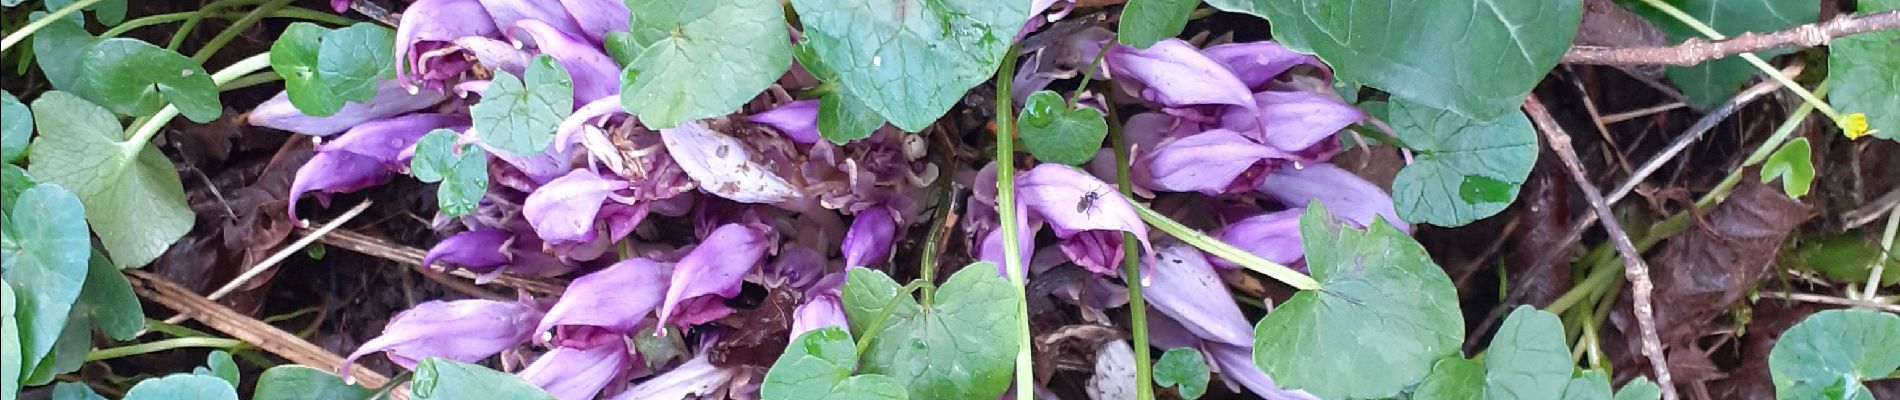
[135, 78]
[961, 347]
[1864, 71]
[108, 12]
[16, 126]
[133, 198]
[49, 226]
[910, 60]
[842, 117]
[521, 119]
[69, 351]
[1145, 22]
[74, 391]
[11, 354]
[13, 181]
[623, 47]
[1465, 169]
[1590, 385]
[1055, 133]
[461, 170]
[442, 379]
[1712, 82]
[1478, 59]
[58, 48]
[183, 386]
[219, 365]
[297, 382]
[704, 58]
[1793, 163]
[1185, 369]
[1639, 389]
[1847, 257]
[322, 68]
[108, 302]
[1827, 355]
[1382, 315]
[818, 364]
[1527, 360]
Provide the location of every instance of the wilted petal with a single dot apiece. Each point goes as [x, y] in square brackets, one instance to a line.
[576, 129]
[391, 100]
[335, 172]
[1235, 364]
[462, 330]
[796, 266]
[716, 268]
[1211, 162]
[723, 165]
[1185, 287]
[563, 211]
[1257, 63]
[595, 75]
[480, 251]
[992, 245]
[870, 238]
[819, 311]
[385, 140]
[1274, 236]
[571, 373]
[696, 378]
[1175, 74]
[1346, 195]
[798, 120]
[494, 54]
[511, 13]
[615, 299]
[429, 25]
[1295, 120]
[1073, 202]
[597, 18]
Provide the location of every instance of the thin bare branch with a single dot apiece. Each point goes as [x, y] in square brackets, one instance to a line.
[1634, 268]
[412, 257]
[269, 338]
[1695, 51]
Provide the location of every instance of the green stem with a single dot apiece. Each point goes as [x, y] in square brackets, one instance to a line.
[1006, 211]
[236, 28]
[1131, 265]
[1226, 251]
[877, 324]
[150, 128]
[1759, 64]
[184, 29]
[288, 12]
[927, 263]
[17, 36]
[162, 345]
[1089, 74]
[250, 80]
[1886, 246]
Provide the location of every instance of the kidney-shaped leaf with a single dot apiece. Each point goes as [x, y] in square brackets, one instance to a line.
[444, 379]
[133, 198]
[702, 58]
[1527, 360]
[1865, 73]
[295, 382]
[183, 386]
[48, 224]
[910, 60]
[957, 348]
[818, 364]
[1827, 355]
[1466, 169]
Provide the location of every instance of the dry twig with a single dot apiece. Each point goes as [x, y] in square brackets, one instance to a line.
[1634, 267]
[411, 256]
[264, 336]
[1695, 51]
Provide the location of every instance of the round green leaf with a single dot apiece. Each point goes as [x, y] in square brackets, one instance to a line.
[107, 300]
[959, 348]
[133, 198]
[910, 60]
[521, 119]
[48, 224]
[16, 126]
[1185, 369]
[440, 379]
[135, 78]
[1465, 169]
[1712, 82]
[11, 354]
[183, 386]
[1056, 133]
[702, 58]
[1864, 73]
[74, 391]
[1382, 315]
[1827, 355]
[297, 382]
[462, 170]
[1145, 22]
[1527, 360]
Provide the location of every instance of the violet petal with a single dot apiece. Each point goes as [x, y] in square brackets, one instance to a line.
[1236, 365]
[478, 250]
[571, 373]
[1073, 202]
[386, 139]
[563, 211]
[1173, 73]
[335, 172]
[433, 24]
[869, 240]
[1345, 194]
[1295, 120]
[1257, 63]
[391, 100]
[716, 268]
[819, 311]
[616, 298]
[462, 330]
[1211, 162]
[1186, 288]
[597, 18]
[696, 378]
[1274, 236]
[511, 13]
[798, 120]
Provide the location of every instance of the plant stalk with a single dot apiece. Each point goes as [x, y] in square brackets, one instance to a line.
[1809, 97]
[225, 37]
[17, 36]
[150, 128]
[162, 345]
[1226, 251]
[1131, 265]
[1006, 212]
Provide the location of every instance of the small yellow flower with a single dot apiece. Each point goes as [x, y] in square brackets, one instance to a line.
[1855, 126]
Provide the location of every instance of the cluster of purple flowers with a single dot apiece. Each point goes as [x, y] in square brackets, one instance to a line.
[1246, 126]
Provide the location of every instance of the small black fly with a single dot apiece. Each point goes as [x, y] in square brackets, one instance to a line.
[1088, 200]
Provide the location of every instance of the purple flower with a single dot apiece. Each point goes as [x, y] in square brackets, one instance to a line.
[1274, 236]
[1350, 197]
[1295, 120]
[1235, 365]
[508, 14]
[574, 373]
[584, 127]
[712, 273]
[1186, 288]
[391, 100]
[991, 248]
[869, 240]
[494, 54]
[364, 156]
[1213, 162]
[340, 6]
[1087, 214]
[796, 266]
[477, 250]
[798, 120]
[1174, 74]
[696, 378]
[822, 307]
[564, 210]
[595, 75]
[462, 330]
[431, 25]
[724, 165]
[615, 299]
[1258, 63]
[597, 18]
